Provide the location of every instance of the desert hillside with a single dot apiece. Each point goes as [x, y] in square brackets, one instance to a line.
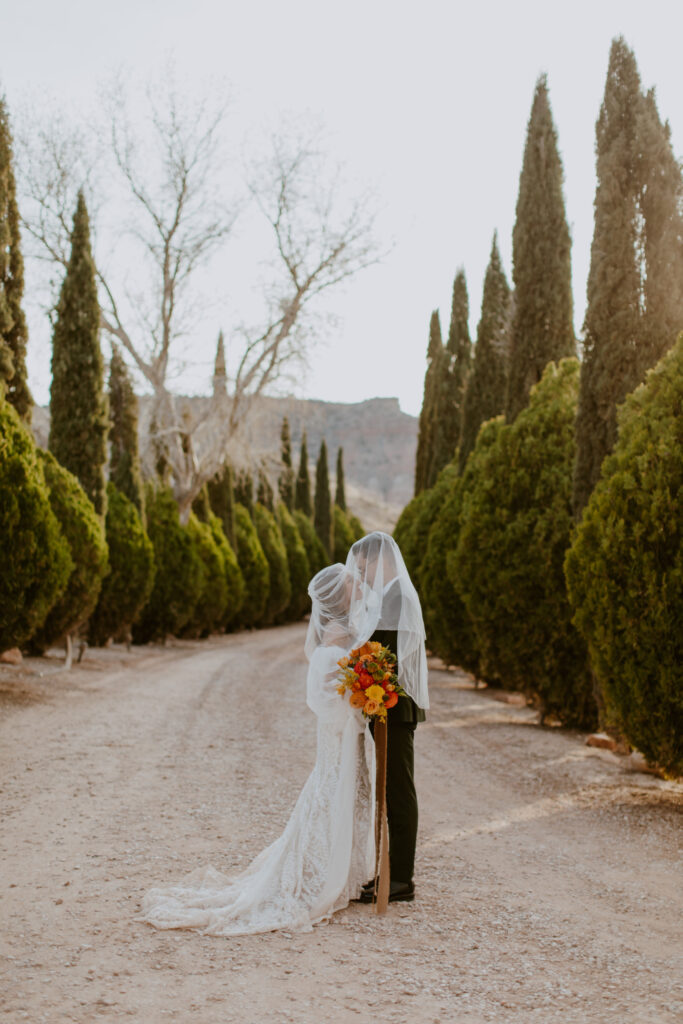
[379, 442]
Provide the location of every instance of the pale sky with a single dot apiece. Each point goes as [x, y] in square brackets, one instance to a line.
[426, 102]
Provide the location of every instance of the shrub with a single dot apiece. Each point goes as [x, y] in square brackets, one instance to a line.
[234, 580]
[254, 567]
[273, 545]
[84, 532]
[297, 562]
[356, 526]
[209, 611]
[450, 632]
[412, 529]
[625, 569]
[343, 533]
[508, 565]
[36, 558]
[128, 584]
[315, 552]
[179, 578]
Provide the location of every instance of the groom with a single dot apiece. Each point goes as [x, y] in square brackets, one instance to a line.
[402, 719]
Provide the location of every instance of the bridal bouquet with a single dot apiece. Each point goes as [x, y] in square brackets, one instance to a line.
[369, 673]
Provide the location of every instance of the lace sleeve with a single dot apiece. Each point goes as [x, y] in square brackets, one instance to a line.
[321, 685]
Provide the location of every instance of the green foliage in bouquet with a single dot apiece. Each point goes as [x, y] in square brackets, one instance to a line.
[315, 552]
[273, 545]
[516, 523]
[254, 567]
[297, 562]
[84, 532]
[625, 569]
[344, 534]
[209, 611]
[128, 584]
[36, 558]
[450, 632]
[179, 578]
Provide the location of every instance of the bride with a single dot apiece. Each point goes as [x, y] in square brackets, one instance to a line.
[326, 852]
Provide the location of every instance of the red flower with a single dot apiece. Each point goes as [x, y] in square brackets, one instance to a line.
[391, 699]
[365, 680]
[358, 668]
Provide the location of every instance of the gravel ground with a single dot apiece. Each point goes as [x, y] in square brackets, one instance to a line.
[548, 875]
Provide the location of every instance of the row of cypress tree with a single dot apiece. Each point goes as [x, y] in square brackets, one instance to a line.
[547, 545]
[93, 551]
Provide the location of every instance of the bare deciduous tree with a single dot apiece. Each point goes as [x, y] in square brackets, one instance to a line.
[169, 175]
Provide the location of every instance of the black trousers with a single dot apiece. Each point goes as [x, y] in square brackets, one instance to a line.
[401, 799]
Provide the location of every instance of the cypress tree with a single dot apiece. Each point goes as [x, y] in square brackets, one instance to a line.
[244, 491]
[222, 500]
[456, 364]
[285, 482]
[322, 514]
[425, 432]
[315, 552]
[264, 492]
[636, 273]
[487, 384]
[124, 457]
[302, 494]
[78, 407]
[662, 245]
[340, 490]
[13, 330]
[542, 328]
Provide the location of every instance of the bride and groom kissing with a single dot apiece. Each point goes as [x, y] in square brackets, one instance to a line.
[326, 854]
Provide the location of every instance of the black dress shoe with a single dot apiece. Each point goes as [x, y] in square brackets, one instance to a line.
[399, 892]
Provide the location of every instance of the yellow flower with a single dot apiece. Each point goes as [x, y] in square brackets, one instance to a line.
[375, 693]
[341, 689]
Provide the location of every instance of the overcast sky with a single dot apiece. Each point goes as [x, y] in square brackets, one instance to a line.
[425, 101]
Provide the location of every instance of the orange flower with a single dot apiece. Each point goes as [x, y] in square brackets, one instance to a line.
[357, 699]
[391, 699]
[365, 680]
[356, 685]
[371, 707]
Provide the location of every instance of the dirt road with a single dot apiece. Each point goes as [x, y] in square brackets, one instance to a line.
[548, 877]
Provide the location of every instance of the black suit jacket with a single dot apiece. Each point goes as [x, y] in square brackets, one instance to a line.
[406, 710]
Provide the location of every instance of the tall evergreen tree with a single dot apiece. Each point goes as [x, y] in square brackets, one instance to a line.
[222, 500]
[286, 479]
[322, 514]
[302, 493]
[244, 491]
[124, 457]
[456, 364]
[635, 281]
[542, 327]
[13, 330]
[220, 375]
[78, 406]
[425, 433]
[264, 491]
[487, 383]
[340, 490]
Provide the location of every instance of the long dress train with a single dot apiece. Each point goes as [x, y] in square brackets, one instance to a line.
[322, 858]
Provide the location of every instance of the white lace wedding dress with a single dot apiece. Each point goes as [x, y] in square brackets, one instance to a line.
[325, 853]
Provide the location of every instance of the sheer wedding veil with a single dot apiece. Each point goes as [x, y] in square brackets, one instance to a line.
[383, 597]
